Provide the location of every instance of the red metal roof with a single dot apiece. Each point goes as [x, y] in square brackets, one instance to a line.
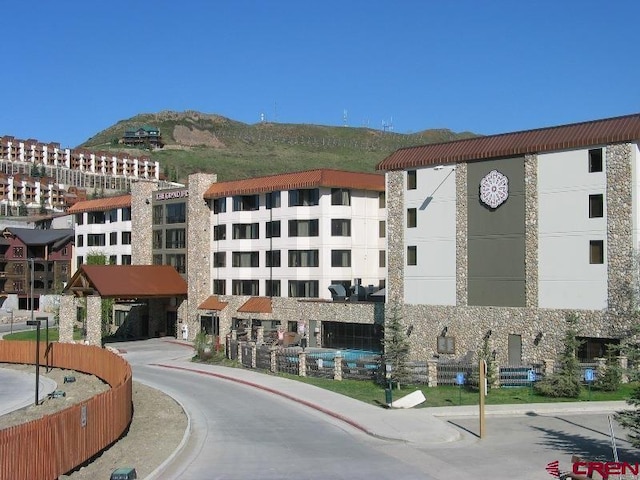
[129, 281]
[212, 303]
[577, 135]
[256, 305]
[101, 204]
[295, 180]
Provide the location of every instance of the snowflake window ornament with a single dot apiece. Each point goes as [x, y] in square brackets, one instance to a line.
[494, 189]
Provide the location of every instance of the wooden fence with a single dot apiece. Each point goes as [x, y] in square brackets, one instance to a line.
[55, 444]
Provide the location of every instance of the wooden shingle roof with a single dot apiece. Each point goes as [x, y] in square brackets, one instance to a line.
[295, 180]
[578, 135]
[101, 204]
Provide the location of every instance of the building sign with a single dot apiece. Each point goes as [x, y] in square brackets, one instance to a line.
[172, 195]
[494, 189]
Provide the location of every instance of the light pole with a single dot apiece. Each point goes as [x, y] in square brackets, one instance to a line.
[31, 294]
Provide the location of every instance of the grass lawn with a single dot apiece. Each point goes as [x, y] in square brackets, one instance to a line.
[372, 393]
[31, 335]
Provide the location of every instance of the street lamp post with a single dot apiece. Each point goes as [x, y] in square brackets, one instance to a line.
[36, 323]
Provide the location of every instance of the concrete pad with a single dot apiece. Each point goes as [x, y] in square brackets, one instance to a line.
[18, 389]
[409, 401]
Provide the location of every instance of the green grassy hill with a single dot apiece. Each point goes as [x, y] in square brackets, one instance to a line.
[198, 142]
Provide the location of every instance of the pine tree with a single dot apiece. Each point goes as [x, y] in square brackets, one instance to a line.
[565, 383]
[396, 348]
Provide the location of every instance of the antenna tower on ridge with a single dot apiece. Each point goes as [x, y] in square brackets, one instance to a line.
[344, 118]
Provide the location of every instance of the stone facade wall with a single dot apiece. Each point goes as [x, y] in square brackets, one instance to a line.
[94, 320]
[141, 218]
[531, 230]
[67, 315]
[198, 251]
[395, 236]
[462, 261]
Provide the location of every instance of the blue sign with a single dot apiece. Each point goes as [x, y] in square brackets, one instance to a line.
[589, 375]
[531, 376]
[459, 378]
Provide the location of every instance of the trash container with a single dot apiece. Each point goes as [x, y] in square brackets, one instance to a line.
[388, 396]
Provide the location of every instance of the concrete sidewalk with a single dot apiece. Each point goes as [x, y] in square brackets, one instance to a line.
[18, 389]
[415, 425]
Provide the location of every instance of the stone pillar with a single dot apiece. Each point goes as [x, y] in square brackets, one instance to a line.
[432, 373]
[240, 352]
[67, 317]
[302, 364]
[254, 352]
[395, 184]
[273, 354]
[141, 219]
[548, 365]
[624, 365]
[198, 247]
[260, 335]
[337, 366]
[494, 367]
[94, 320]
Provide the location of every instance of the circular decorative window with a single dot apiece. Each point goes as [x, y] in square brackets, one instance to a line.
[494, 189]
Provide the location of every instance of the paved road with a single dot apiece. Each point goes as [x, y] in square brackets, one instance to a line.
[239, 432]
[244, 432]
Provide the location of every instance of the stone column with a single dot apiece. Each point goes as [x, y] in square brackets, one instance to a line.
[198, 247]
[141, 219]
[302, 364]
[94, 320]
[337, 367]
[67, 317]
[432, 373]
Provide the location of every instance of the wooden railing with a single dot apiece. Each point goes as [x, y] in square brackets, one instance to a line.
[55, 444]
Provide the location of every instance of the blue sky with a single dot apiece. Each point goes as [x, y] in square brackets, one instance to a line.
[72, 69]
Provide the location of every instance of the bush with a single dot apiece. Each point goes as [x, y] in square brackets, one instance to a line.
[558, 385]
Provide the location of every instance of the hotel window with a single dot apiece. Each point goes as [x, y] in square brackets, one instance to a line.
[79, 218]
[220, 232]
[382, 258]
[412, 217]
[113, 215]
[18, 252]
[304, 197]
[175, 238]
[156, 241]
[80, 241]
[412, 255]
[176, 213]
[18, 268]
[272, 258]
[220, 259]
[412, 182]
[244, 287]
[596, 251]
[272, 288]
[219, 205]
[126, 214]
[244, 231]
[340, 258]
[272, 200]
[245, 259]
[382, 200]
[126, 259]
[220, 287]
[95, 218]
[245, 203]
[303, 288]
[158, 214]
[79, 261]
[113, 238]
[273, 229]
[303, 228]
[177, 261]
[340, 227]
[126, 238]
[303, 258]
[382, 229]
[340, 196]
[113, 259]
[596, 206]
[595, 160]
[96, 240]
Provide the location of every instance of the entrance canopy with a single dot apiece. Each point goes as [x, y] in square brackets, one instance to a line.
[127, 281]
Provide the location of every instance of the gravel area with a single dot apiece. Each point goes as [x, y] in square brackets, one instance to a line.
[156, 430]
